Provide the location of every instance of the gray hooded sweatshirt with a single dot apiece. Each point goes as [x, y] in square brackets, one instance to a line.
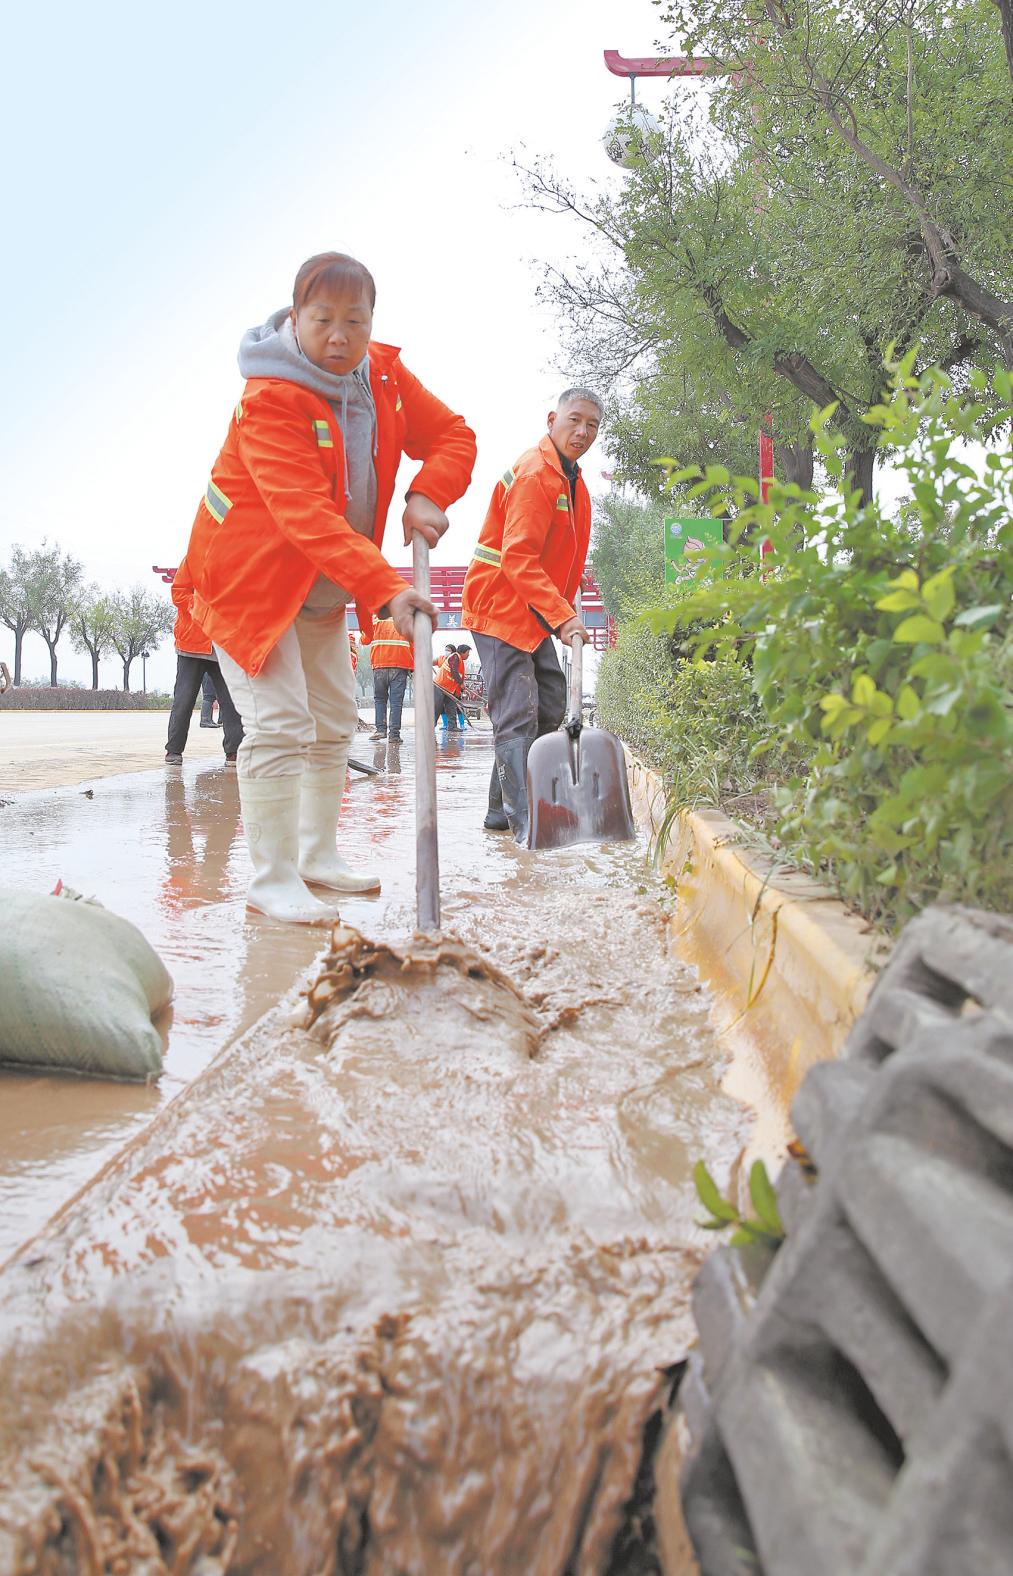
[272, 351]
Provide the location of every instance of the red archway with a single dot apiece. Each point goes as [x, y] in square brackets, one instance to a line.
[447, 584]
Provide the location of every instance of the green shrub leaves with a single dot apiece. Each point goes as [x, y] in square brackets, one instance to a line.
[863, 671]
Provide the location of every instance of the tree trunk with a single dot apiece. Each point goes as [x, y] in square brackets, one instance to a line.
[126, 672]
[52, 661]
[858, 472]
[793, 462]
[19, 636]
[1006, 20]
[94, 668]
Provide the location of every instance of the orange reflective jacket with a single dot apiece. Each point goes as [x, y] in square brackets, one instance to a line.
[388, 647]
[186, 632]
[444, 677]
[271, 519]
[530, 554]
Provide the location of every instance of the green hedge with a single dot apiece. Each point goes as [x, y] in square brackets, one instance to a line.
[881, 654]
[67, 697]
[694, 721]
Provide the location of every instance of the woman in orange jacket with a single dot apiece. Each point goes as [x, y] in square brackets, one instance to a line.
[519, 592]
[287, 534]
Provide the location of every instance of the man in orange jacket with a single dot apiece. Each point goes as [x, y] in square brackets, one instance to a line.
[519, 592]
[392, 658]
[195, 661]
[287, 534]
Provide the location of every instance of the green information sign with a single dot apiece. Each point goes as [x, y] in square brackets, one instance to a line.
[684, 539]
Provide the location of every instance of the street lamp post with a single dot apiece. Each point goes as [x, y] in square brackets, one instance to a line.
[144, 671]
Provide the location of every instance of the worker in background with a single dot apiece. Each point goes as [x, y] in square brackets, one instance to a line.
[195, 662]
[209, 700]
[519, 592]
[289, 532]
[464, 652]
[448, 682]
[392, 657]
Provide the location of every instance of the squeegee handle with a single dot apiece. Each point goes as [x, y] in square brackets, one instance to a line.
[427, 852]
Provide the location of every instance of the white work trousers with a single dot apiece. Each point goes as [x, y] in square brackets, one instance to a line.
[300, 709]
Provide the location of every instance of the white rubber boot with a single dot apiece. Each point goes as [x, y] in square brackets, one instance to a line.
[319, 864]
[270, 807]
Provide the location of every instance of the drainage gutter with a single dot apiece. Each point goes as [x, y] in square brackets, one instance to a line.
[790, 966]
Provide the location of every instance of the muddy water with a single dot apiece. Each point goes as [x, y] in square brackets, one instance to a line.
[393, 1290]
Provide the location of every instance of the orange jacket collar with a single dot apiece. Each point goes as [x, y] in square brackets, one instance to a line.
[551, 453]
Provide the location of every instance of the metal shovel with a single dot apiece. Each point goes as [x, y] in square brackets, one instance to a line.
[427, 851]
[577, 787]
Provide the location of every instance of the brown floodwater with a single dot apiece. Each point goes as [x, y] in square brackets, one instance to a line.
[396, 1281]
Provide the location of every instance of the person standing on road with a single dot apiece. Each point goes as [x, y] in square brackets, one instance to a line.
[463, 653]
[195, 662]
[392, 657]
[287, 534]
[448, 679]
[519, 592]
[208, 702]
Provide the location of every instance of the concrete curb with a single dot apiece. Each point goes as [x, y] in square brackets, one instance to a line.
[791, 967]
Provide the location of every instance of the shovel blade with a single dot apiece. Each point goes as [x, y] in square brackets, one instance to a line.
[577, 790]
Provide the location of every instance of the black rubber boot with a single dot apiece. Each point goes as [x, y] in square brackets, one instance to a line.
[512, 761]
[495, 820]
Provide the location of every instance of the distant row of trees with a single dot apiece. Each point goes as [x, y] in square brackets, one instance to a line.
[45, 591]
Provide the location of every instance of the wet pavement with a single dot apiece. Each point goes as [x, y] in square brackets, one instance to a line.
[164, 849]
[57, 749]
[397, 1291]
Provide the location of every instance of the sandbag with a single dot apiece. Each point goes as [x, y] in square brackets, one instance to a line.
[78, 988]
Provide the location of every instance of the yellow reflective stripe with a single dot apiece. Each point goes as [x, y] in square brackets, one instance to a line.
[239, 411]
[563, 502]
[405, 643]
[216, 503]
[397, 407]
[323, 434]
[508, 479]
[487, 555]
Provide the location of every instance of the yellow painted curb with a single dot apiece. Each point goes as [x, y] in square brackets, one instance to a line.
[790, 966]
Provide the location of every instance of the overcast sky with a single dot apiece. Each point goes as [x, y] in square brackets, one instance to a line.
[168, 169]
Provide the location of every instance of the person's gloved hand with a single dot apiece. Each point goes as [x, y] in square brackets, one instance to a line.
[424, 516]
[402, 609]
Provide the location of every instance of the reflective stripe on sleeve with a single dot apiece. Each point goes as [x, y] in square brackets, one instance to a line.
[323, 434]
[216, 503]
[487, 555]
[508, 479]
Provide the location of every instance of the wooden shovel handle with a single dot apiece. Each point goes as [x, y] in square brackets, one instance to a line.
[575, 713]
[427, 849]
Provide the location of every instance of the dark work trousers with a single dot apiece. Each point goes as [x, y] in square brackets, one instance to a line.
[525, 691]
[444, 708]
[190, 672]
[389, 685]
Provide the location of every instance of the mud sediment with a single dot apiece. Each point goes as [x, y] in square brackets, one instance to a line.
[394, 1286]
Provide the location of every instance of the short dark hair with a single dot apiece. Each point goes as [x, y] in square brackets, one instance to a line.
[462, 649]
[335, 273]
[570, 397]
